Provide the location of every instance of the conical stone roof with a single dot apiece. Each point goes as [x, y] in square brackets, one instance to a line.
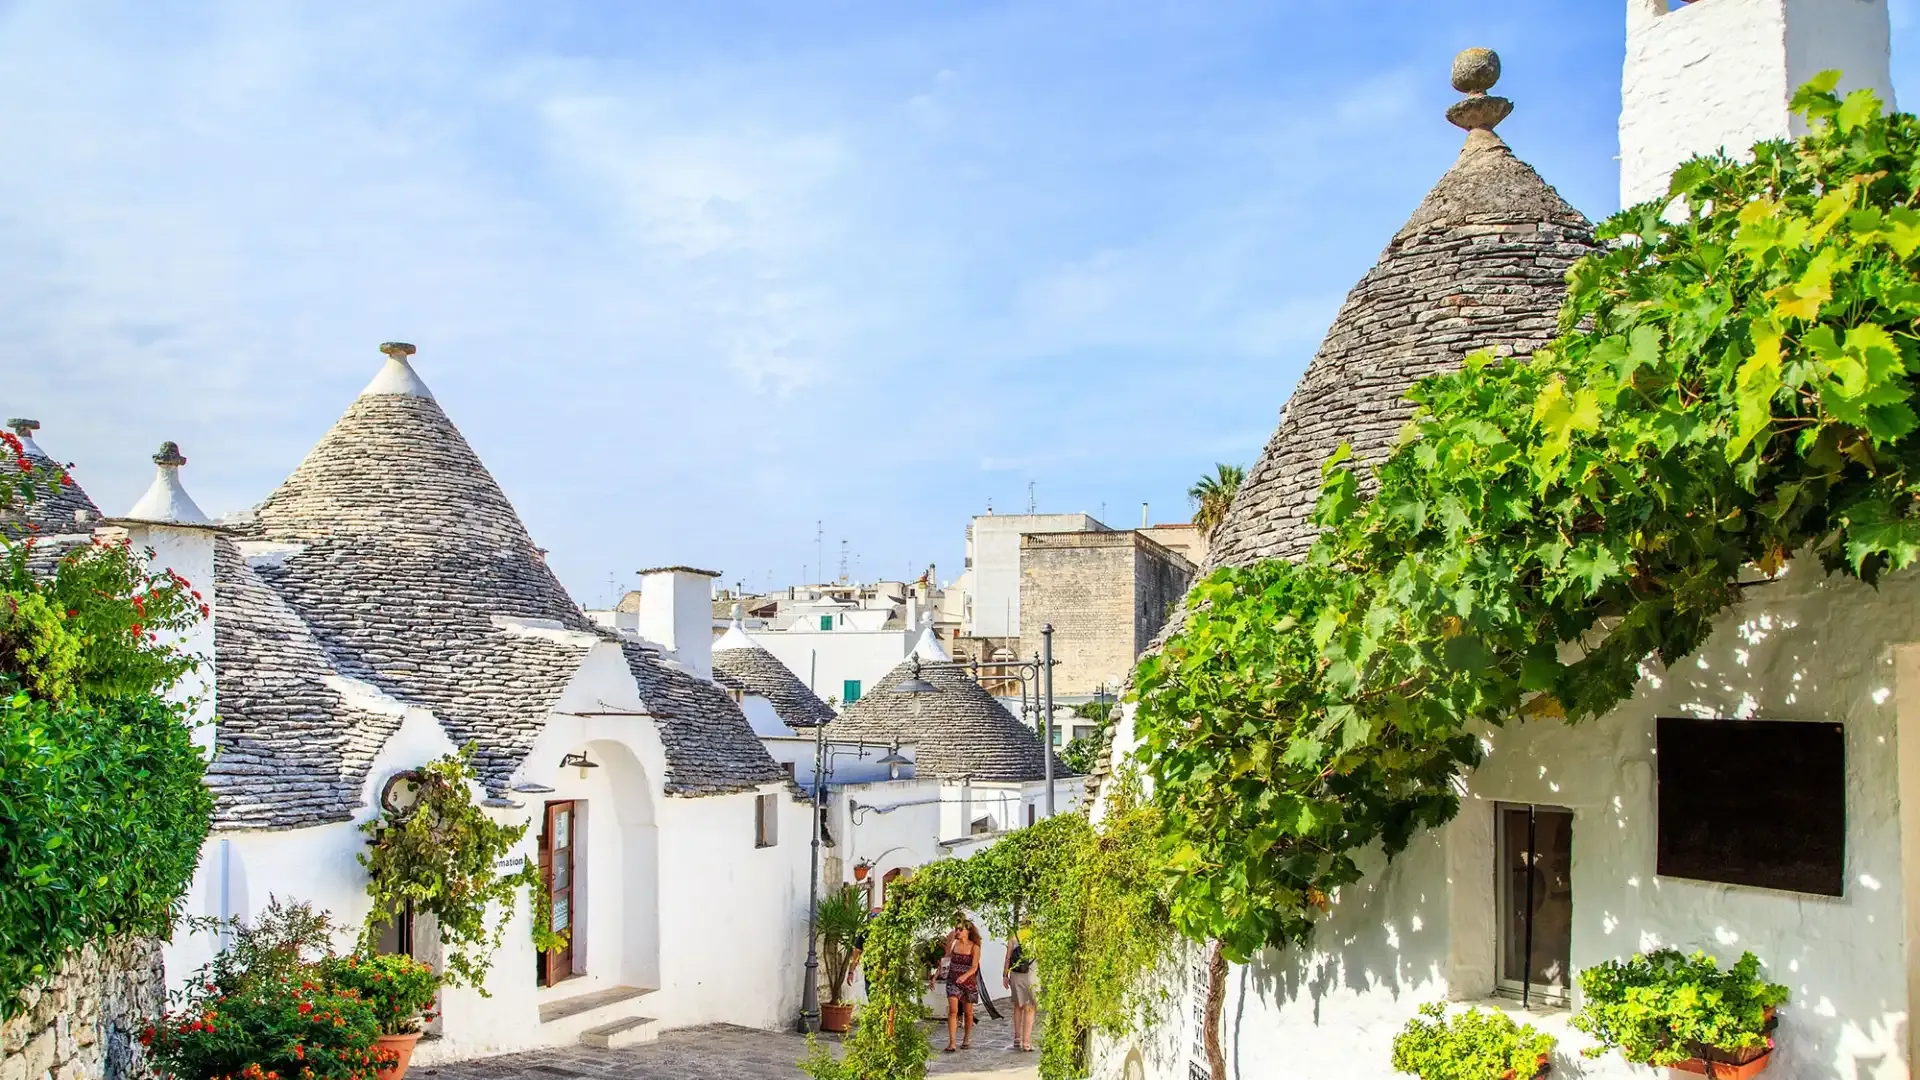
[1481, 264]
[415, 574]
[958, 731]
[291, 750]
[740, 663]
[50, 513]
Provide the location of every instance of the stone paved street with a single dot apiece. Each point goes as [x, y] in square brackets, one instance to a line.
[730, 1053]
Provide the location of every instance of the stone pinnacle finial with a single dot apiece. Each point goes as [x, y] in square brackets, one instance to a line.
[23, 427]
[170, 455]
[1475, 71]
[399, 350]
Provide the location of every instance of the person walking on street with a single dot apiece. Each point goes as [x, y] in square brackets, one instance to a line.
[1018, 979]
[962, 966]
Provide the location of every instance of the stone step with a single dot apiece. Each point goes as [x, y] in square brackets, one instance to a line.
[628, 1031]
[563, 1008]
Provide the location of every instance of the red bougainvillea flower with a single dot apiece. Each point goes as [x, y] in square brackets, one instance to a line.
[306, 1007]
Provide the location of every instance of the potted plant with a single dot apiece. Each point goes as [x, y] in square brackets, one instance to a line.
[1472, 1045]
[400, 991]
[281, 1027]
[842, 915]
[1665, 1008]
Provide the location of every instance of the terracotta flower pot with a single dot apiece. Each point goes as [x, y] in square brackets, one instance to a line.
[837, 1018]
[401, 1046]
[1732, 1064]
[1725, 1070]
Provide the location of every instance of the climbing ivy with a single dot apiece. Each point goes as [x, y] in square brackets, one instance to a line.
[1733, 385]
[1092, 898]
[438, 854]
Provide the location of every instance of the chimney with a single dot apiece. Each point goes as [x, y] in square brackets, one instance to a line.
[1143, 515]
[167, 522]
[1718, 75]
[676, 612]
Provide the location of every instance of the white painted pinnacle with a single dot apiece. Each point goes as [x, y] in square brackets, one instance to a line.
[928, 647]
[166, 502]
[734, 638]
[397, 377]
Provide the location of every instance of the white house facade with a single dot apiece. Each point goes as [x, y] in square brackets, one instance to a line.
[1581, 844]
[384, 607]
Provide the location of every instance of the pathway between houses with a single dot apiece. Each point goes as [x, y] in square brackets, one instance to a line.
[730, 1053]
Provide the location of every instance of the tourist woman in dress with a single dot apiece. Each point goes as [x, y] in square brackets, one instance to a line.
[962, 966]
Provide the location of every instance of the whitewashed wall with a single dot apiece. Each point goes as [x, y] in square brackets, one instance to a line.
[1719, 73]
[673, 896]
[824, 659]
[1420, 929]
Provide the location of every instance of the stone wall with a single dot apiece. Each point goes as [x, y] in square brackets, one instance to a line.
[1106, 594]
[85, 1022]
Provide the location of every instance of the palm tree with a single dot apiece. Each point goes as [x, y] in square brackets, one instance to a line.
[1212, 495]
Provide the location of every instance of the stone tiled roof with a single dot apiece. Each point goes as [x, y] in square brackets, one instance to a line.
[958, 731]
[711, 748]
[291, 751]
[50, 513]
[403, 556]
[1481, 264]
[757, 671]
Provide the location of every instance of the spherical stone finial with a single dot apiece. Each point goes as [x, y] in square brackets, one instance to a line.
[1476, 70]
[170, 455]
[22, 426]
[399, 350]
[1474, 73]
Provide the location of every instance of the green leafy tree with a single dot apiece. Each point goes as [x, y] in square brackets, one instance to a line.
[1083, 753]
[1213, 494]
[1733, 384]
[100, 778]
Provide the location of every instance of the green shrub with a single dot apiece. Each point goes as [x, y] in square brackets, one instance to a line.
[1472, 1045]
[100, 781]
[1662, 1007]
[286, 1027]
[399, 988]
[104, 815]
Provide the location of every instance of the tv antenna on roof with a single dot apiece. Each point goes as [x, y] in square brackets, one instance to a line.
[1033, 505]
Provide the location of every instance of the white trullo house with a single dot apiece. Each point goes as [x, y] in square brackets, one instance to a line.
[384, 606]
[1763, 794]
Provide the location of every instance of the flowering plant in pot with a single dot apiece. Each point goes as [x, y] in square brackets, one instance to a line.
[842, 915]
[1472, 1045]
[1666, 1008]
[276, 1028]
[399, 989]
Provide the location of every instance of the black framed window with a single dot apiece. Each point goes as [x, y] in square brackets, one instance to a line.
[1533, 864]
[1761, 803]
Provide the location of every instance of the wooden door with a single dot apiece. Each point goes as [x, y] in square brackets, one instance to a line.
[557, 870]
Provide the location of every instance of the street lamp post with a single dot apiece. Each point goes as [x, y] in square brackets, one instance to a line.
[1046, 683]
[810, 993]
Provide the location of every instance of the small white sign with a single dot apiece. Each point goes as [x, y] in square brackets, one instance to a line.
[509, 866]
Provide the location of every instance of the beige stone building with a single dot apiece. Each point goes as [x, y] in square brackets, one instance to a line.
[1105, 594]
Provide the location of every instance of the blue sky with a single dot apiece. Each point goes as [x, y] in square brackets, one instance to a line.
[691, 277]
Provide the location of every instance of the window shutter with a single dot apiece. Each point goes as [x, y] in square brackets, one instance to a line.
[849, 691]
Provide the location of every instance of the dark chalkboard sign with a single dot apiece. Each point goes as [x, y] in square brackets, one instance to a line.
[1754, 802]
